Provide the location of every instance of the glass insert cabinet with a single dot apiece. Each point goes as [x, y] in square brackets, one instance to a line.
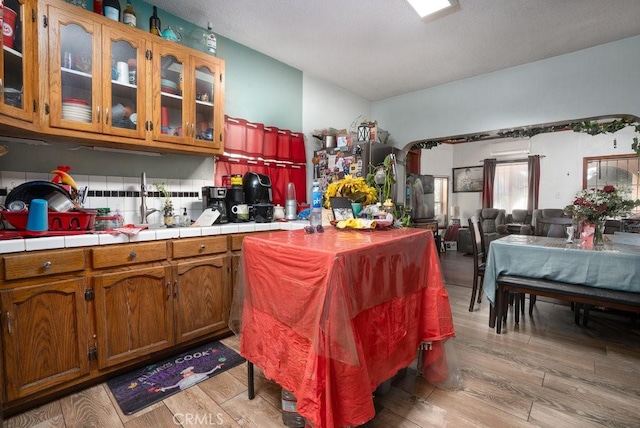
[107, 78]
[16, 89]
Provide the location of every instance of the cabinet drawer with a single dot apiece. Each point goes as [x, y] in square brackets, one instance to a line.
[18, 266]
[199, 246]
[124, 255]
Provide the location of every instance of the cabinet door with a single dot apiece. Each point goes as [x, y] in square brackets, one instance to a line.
[205, 93]
[134, 313]
[171, 118]
[44, 336]
[202, 297]
[124, 95]
[17, 59]
[75, 59]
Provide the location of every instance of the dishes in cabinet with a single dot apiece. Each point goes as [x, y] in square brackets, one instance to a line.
[75, 109]
[168, 86]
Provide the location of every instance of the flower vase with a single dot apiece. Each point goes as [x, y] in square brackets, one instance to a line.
[598, 233]
[587, 231]
[356, 207]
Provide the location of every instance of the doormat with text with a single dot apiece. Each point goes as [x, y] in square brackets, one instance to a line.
[148, 385]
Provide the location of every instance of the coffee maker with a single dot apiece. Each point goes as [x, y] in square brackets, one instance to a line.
[214, 198]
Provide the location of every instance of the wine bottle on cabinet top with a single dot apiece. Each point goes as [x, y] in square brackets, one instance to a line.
[111, 9]
[129, 16]
[154, 22]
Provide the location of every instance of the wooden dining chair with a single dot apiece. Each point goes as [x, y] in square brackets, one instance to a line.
[479, 259]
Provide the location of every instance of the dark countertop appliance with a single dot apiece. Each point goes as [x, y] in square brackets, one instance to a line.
[257, 191]
[214, 197]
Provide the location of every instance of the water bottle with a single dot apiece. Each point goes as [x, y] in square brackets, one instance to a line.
[290, 415]
[315, 216]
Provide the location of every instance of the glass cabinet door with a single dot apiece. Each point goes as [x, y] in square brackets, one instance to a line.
[74, 72]
[171, 120]
[205, 76]
[124, 95]
[16, 88]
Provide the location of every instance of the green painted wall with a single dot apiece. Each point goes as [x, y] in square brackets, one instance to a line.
[257, 87]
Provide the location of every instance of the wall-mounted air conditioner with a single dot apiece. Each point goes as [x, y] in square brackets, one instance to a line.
[511, 148]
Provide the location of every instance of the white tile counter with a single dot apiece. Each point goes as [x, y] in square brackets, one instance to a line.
[100, 238]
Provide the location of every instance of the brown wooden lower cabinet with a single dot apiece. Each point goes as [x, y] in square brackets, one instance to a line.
[134, 313]
[114, 307]
[44, 336]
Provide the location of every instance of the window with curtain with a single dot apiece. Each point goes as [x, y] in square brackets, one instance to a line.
[620, 171]
[440, 199]
[511, 186]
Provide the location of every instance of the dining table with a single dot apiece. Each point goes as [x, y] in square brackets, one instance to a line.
[612, 266]
[331, 316]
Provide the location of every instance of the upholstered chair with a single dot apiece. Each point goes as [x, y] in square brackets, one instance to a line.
[519, 222]
[550, 222]
[493, 221]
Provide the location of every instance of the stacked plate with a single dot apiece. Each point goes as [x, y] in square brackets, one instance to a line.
[169, 86]
[77, 110]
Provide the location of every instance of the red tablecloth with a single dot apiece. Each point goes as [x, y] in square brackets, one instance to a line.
[330, 316]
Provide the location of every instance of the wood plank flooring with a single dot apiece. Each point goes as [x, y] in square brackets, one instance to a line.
[546, 372]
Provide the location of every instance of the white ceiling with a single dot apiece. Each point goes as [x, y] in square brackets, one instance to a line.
[377, 49]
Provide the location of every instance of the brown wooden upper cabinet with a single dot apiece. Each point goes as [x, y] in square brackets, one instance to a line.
[17, 94]
[111, 84]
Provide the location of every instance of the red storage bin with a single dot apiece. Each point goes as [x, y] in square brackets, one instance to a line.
[298, 154]
[270, 145]
[254, 139]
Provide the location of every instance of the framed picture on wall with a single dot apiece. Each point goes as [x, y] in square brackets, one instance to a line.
[467, 179]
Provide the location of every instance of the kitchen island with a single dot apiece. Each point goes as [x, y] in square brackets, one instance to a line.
[331, 316]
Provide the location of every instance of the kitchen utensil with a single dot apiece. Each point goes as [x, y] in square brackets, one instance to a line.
[56, 196]
[291, 204]
[38, 217]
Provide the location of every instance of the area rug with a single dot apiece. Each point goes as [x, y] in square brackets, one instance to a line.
[140, 388]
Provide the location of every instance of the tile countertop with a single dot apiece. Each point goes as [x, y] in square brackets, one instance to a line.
[91, 239]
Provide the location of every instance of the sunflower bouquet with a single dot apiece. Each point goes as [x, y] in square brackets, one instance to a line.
[353, 188]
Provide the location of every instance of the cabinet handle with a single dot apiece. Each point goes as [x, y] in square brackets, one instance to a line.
[1, 89]
[202, 247]
[132, 255]
[106, 116]
[193, 129]
[8, 322]
[46, 265]
[98, 113]
[175, 288]
[168, 289]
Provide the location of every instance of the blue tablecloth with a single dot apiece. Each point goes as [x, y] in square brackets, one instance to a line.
[613, 266]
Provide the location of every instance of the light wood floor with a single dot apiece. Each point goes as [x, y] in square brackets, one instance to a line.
[545, 372]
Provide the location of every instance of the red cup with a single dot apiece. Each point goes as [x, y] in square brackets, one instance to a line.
[8, 27]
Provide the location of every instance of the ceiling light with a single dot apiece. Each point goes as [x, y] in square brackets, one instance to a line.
[432, 9]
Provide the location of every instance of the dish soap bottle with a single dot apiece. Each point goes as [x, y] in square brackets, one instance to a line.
[186, 220]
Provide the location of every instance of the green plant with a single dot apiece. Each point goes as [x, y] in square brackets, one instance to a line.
[593, 127]
[382, 177]
[167, 207]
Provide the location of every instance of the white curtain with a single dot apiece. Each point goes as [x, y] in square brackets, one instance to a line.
[510, 188]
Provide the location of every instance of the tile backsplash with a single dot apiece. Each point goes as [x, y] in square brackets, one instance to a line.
[122, 193]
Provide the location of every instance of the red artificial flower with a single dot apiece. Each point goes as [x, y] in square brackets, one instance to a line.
[608, 189]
